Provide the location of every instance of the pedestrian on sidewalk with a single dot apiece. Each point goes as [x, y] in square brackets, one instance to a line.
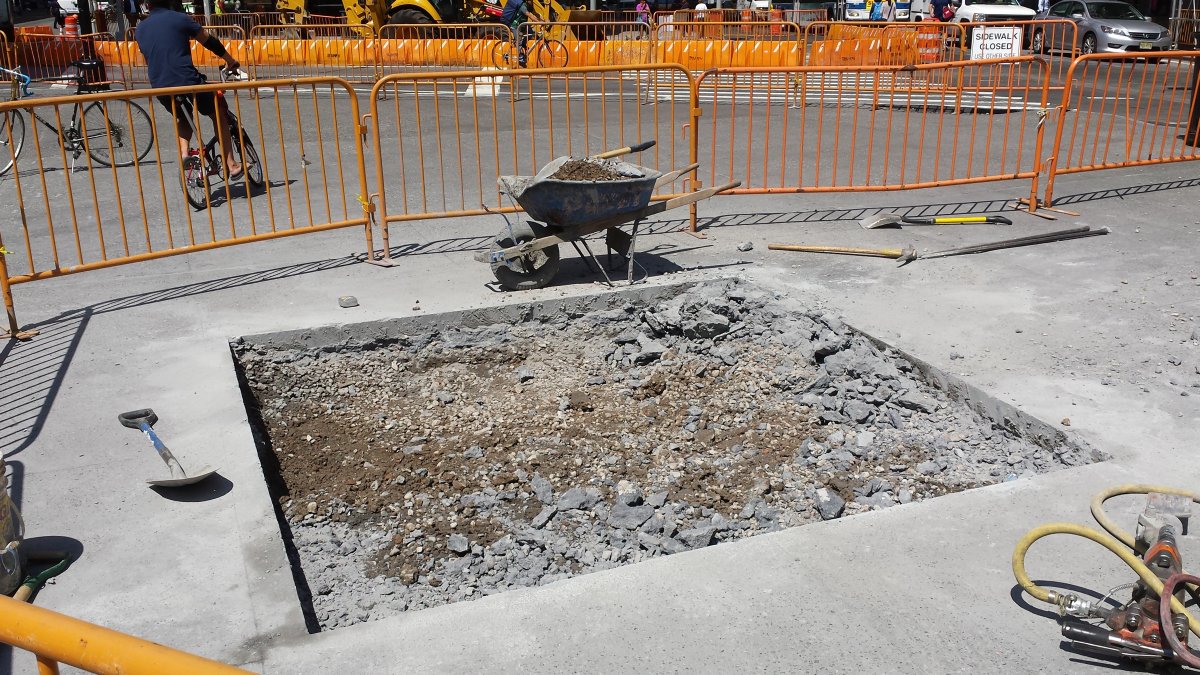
[643, 12]
[889, 10]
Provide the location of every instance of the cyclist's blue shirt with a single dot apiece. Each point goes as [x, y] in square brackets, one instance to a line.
[164, 38]
[512, 12]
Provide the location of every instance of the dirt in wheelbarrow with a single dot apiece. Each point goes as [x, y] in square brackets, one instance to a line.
[457, 463]
[586, 170]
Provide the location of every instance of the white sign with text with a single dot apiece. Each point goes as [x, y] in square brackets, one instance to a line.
[995, 42]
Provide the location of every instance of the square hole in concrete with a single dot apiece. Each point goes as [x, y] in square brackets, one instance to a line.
[424, 461]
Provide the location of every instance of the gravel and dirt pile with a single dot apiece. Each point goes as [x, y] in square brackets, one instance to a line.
[449, 465]
[587, 170]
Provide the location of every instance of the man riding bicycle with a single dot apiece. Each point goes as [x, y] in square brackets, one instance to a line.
[516, 12]
[164, 38]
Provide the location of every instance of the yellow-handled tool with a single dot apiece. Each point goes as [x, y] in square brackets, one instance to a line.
[625, 151]
[890, 219]
[901, 254]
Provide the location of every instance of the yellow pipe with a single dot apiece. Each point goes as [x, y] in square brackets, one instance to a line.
[1130, 489]
[57, 637]
[1122, 552]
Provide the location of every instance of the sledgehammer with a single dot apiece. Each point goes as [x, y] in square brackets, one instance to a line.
[904, 255]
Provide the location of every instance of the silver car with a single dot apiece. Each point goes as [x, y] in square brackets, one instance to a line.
[1104, 26]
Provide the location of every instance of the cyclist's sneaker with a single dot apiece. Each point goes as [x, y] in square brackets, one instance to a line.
[191, 163]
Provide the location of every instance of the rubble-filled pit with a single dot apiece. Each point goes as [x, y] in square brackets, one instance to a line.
[444, 461]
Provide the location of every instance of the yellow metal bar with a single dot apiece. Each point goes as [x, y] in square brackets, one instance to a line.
[57, 637]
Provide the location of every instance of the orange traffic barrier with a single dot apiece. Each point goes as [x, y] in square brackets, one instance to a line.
[49, 56]
[115, 191]
[868, 128]
[686, 44]
[346, 51]
[1122, 110]
[728, 30]
[1185, 32]
[56, 638]
[443, 152]
[447, 46]
[6, 54]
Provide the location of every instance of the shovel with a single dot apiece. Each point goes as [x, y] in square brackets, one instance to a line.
[890, 219]
[142, 420]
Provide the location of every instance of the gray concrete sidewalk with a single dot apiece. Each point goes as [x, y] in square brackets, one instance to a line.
[922, 587]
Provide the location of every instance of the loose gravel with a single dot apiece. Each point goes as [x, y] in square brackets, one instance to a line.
[454, 464]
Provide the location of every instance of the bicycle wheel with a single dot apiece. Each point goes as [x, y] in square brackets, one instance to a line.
[195, 183]
[244, 150]
[551, 54]
[126, 124]
[500, 54]
[12, 138]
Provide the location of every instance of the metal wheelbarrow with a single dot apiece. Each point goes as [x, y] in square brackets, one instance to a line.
[524, 255]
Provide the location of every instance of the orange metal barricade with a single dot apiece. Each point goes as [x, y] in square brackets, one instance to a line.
[248, 20]
[50, 56]
[446, 46]
[439, 153]
[6, 54]
[582, 45]
[346, 51]
[1185, 32]
[118, 195]
[686, 44]
[1122, 110]
[869, 128]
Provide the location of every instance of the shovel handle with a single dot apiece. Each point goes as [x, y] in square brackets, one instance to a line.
[134, 418]
[843, 250]
[609, 154]
[956, 220]
[164, 452]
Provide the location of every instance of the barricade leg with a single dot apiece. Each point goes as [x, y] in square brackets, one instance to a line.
[14, 331]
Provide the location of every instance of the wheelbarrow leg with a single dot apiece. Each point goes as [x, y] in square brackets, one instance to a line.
[590, 263]
[600, 267]
[632, 252]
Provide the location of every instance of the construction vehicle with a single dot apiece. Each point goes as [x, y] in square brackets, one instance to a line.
[379, 13]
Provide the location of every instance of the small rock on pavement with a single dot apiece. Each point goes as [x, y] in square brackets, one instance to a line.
[1066, 421]
[629, 517]
[829, 504]
[746, 246]
[458, 544]
[347, 301]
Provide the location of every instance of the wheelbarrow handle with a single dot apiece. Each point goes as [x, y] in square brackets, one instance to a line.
[609, 154]
[135, 418]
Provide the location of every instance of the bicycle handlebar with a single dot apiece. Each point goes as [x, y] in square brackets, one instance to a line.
[23, 78]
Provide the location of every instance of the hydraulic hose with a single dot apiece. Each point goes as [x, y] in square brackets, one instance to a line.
[1124, 553]
[1181, 653]
[1130, 489]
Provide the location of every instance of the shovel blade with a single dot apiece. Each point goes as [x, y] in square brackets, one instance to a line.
[186, 480]
[880, 220]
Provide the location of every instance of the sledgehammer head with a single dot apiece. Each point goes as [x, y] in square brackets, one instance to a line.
[906, 256]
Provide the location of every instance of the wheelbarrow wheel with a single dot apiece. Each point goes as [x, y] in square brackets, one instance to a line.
[533, 270]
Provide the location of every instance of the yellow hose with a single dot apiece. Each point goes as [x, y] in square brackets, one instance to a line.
[1122, 552]
[1130, 489]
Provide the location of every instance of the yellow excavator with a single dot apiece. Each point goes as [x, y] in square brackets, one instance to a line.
[378, 13]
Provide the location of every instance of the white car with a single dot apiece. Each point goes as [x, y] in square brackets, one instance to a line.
[992, 10]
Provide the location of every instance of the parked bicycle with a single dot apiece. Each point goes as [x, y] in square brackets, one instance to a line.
[203, 167]
[116, 132]
[546, 51]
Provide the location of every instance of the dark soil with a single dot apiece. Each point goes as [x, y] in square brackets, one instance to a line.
[586, 170]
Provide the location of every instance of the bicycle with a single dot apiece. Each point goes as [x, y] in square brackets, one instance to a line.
[116, 132]
[547, 52]
[206, 162]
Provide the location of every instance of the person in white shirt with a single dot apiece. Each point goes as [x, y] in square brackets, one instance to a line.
[701, 8]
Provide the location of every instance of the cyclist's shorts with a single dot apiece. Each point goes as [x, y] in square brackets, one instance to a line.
[206, 104]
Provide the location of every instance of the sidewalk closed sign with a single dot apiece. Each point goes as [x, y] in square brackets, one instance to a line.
[995, 42]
